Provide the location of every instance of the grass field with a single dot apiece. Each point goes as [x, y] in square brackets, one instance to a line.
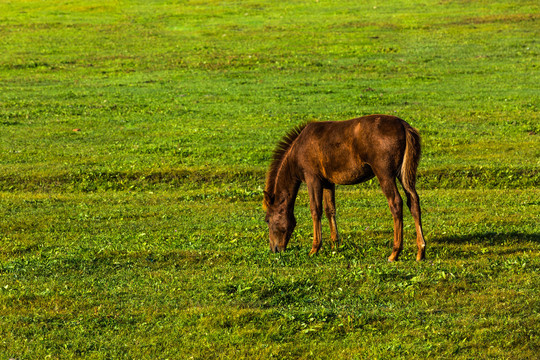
[135, 137]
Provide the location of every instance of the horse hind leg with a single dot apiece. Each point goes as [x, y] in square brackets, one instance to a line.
[329, 195]
[389, 188]
[413, 202]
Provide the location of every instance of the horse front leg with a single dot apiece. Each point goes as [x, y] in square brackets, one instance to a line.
[329, 196]
[315, 204]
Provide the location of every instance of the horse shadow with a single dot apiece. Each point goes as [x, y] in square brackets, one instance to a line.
[488, 238]
[500, 243]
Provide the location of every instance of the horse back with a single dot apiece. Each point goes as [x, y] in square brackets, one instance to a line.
[352, 151]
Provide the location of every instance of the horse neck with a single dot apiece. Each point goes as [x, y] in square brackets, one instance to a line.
[287, 184]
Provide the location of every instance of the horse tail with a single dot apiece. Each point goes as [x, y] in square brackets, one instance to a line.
[411, 159]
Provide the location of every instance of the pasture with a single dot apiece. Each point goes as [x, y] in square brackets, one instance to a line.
[135, 138]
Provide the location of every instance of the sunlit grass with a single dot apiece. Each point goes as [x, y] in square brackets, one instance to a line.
[135, 137]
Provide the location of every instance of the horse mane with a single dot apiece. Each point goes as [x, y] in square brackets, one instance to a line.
[280, 152]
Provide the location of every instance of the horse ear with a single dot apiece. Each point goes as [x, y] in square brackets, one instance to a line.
[268, 200]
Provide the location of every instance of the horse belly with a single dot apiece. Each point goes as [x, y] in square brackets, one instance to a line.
[350, 175]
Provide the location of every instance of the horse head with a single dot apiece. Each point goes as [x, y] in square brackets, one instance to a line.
[280, 220]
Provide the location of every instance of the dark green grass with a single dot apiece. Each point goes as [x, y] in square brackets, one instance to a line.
[141, 234]
[179, 279]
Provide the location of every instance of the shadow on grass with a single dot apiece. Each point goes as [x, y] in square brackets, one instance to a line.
[489, 238]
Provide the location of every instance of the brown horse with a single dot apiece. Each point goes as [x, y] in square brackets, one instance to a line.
[323, 154]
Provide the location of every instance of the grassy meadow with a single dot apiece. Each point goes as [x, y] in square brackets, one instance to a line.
[134, 141]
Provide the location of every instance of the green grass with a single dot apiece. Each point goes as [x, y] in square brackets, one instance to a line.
[141, 235]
